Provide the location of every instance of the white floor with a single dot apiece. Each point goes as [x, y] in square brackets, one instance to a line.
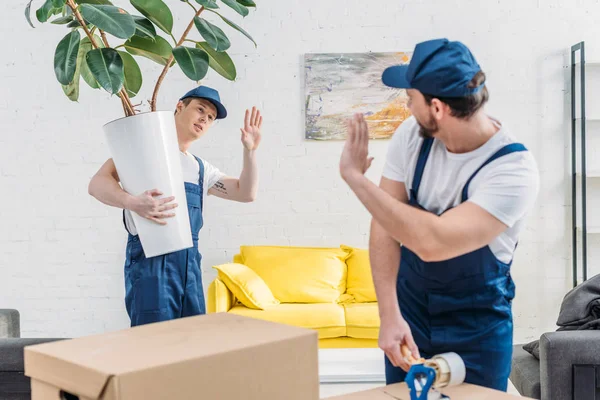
[353, 370]
[336, 389]
[351, 366]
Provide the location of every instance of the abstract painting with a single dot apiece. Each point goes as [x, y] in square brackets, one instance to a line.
[339, 85]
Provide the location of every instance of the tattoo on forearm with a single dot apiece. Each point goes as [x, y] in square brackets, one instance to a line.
[220, 187]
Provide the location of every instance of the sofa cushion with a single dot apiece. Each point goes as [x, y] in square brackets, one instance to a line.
[245, 284]
[326, 319]
[362, 320]
[525, 373]
[299, 274]
[10, 323]
[220, 298]
[360, 281]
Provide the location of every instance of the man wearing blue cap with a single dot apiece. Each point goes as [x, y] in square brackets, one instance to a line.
[447, 215]
[170, 286]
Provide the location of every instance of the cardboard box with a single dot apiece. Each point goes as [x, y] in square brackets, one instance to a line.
[400, 391]
[215, 356]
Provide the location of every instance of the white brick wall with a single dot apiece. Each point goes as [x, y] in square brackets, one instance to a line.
[62, 251]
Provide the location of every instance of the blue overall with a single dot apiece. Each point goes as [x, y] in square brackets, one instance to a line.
[168, 286]
[460, 305]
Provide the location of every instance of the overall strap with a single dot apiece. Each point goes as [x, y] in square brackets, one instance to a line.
[421, 161]
[125, 223]
[508, 149]
[200, 179]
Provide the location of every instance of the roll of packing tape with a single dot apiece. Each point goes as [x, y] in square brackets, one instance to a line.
[451, 370]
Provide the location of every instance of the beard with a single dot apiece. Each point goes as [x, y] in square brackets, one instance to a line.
[428, 130]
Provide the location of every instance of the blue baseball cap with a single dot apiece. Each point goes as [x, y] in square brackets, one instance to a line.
[210, 94]
[438, 67]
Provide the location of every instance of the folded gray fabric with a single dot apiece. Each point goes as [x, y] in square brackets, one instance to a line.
[533, 348]
[579, 310]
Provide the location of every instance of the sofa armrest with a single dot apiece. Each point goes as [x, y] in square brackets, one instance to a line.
[220, 298]
[12, 358]
[14, 384]
[559, 352]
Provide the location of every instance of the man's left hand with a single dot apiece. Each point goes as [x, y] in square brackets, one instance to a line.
[355, 157]
[251, 130]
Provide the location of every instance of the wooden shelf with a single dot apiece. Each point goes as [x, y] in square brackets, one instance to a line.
[588, 119]
[589, 64]
[590, 174]
[594, 230]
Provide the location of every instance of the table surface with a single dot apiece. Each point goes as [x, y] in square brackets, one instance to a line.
[400, 391]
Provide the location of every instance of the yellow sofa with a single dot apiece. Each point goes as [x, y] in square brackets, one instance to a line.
[327, 289]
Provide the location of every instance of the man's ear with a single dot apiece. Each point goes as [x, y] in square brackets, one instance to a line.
[179, 107]
[439, 108]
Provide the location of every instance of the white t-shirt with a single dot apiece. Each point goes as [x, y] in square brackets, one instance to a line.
[507, 188]
[190, 171]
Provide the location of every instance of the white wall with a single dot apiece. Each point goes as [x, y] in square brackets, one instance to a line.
[62, 251]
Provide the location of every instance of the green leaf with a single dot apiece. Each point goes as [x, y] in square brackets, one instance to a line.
[45, 11]
[193, 62]
[59, 3]
[102, 2]
[213, 35]
[72, 89]
[219, 61]
[107, 67]
[143, 27]
[210, 4]
[247, 3]
[157, 50]
[111, 19]
[133, 74]
[75, 24]
[65, 57]
[86, 74]
[236, 27]
[28, 13]
[240, 9]
[63, 20]
[157, 12]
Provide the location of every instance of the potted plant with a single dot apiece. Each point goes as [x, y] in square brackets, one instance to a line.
[143, 145]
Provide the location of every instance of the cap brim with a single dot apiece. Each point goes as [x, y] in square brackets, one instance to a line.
[221, 111]
[396, 77]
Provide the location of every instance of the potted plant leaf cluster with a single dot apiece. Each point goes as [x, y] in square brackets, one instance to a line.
[100, 48]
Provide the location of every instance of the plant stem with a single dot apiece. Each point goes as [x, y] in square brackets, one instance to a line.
[104, 40]
[124, 104]
[170, 60]
[73, 7]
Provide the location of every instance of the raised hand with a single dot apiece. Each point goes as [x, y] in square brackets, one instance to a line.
[355, 156]
[251, 134]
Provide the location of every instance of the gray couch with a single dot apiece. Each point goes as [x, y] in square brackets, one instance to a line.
[14, 385]
[568, 368]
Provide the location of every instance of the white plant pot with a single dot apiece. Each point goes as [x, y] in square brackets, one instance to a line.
[145, 151]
